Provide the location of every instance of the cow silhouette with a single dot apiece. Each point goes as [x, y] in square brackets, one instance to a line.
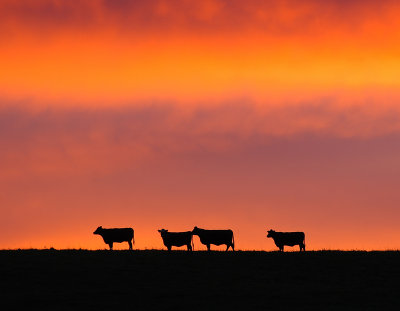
[288, 238]
[216, 237]
[177, 239]
[116, 235]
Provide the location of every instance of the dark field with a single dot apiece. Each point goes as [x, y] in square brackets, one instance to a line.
[146, 280]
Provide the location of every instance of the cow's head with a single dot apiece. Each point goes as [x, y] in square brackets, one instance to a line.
[98, 230]
[271, 233]
[162, 231]
[195, 230]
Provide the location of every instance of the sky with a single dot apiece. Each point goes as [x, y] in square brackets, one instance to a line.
[248, 115]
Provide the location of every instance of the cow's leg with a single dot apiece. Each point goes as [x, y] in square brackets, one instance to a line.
[208, 247]
[233, 247]
[111, 245]
[281, 248]
[130, 244]
[189, 247]
[169, 247]
[302, 247]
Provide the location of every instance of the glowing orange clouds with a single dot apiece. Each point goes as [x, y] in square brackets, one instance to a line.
[183, 51]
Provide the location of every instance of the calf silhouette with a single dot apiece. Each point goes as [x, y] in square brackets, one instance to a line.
[288, 238]
[116, 235]
[177, 239]
[216, 237]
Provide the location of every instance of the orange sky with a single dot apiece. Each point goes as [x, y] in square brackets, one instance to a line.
[221, 114]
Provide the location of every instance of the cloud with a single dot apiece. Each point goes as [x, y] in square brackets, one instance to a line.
[182, 50]
[80, 140]
[211, 16]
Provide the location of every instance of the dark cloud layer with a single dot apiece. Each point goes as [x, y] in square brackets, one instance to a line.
[89, 137]
[200, 17]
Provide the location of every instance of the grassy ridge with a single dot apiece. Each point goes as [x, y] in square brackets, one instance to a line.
[144, 280]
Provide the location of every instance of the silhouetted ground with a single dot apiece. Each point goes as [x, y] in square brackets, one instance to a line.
[147, 280]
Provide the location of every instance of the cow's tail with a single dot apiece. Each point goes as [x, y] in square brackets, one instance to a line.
[133, 237]
[191, 240]
[233, 241]
[304, 243]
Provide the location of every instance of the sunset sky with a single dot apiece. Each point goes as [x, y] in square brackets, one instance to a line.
[248, 115]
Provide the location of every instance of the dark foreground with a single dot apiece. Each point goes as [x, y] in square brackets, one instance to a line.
[149, 280]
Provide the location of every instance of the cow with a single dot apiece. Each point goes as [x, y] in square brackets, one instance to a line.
[177, 239]
[117, 235]
[288, 238]
[216, 237]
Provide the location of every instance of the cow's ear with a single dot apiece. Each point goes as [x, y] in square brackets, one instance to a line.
[159, 231]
